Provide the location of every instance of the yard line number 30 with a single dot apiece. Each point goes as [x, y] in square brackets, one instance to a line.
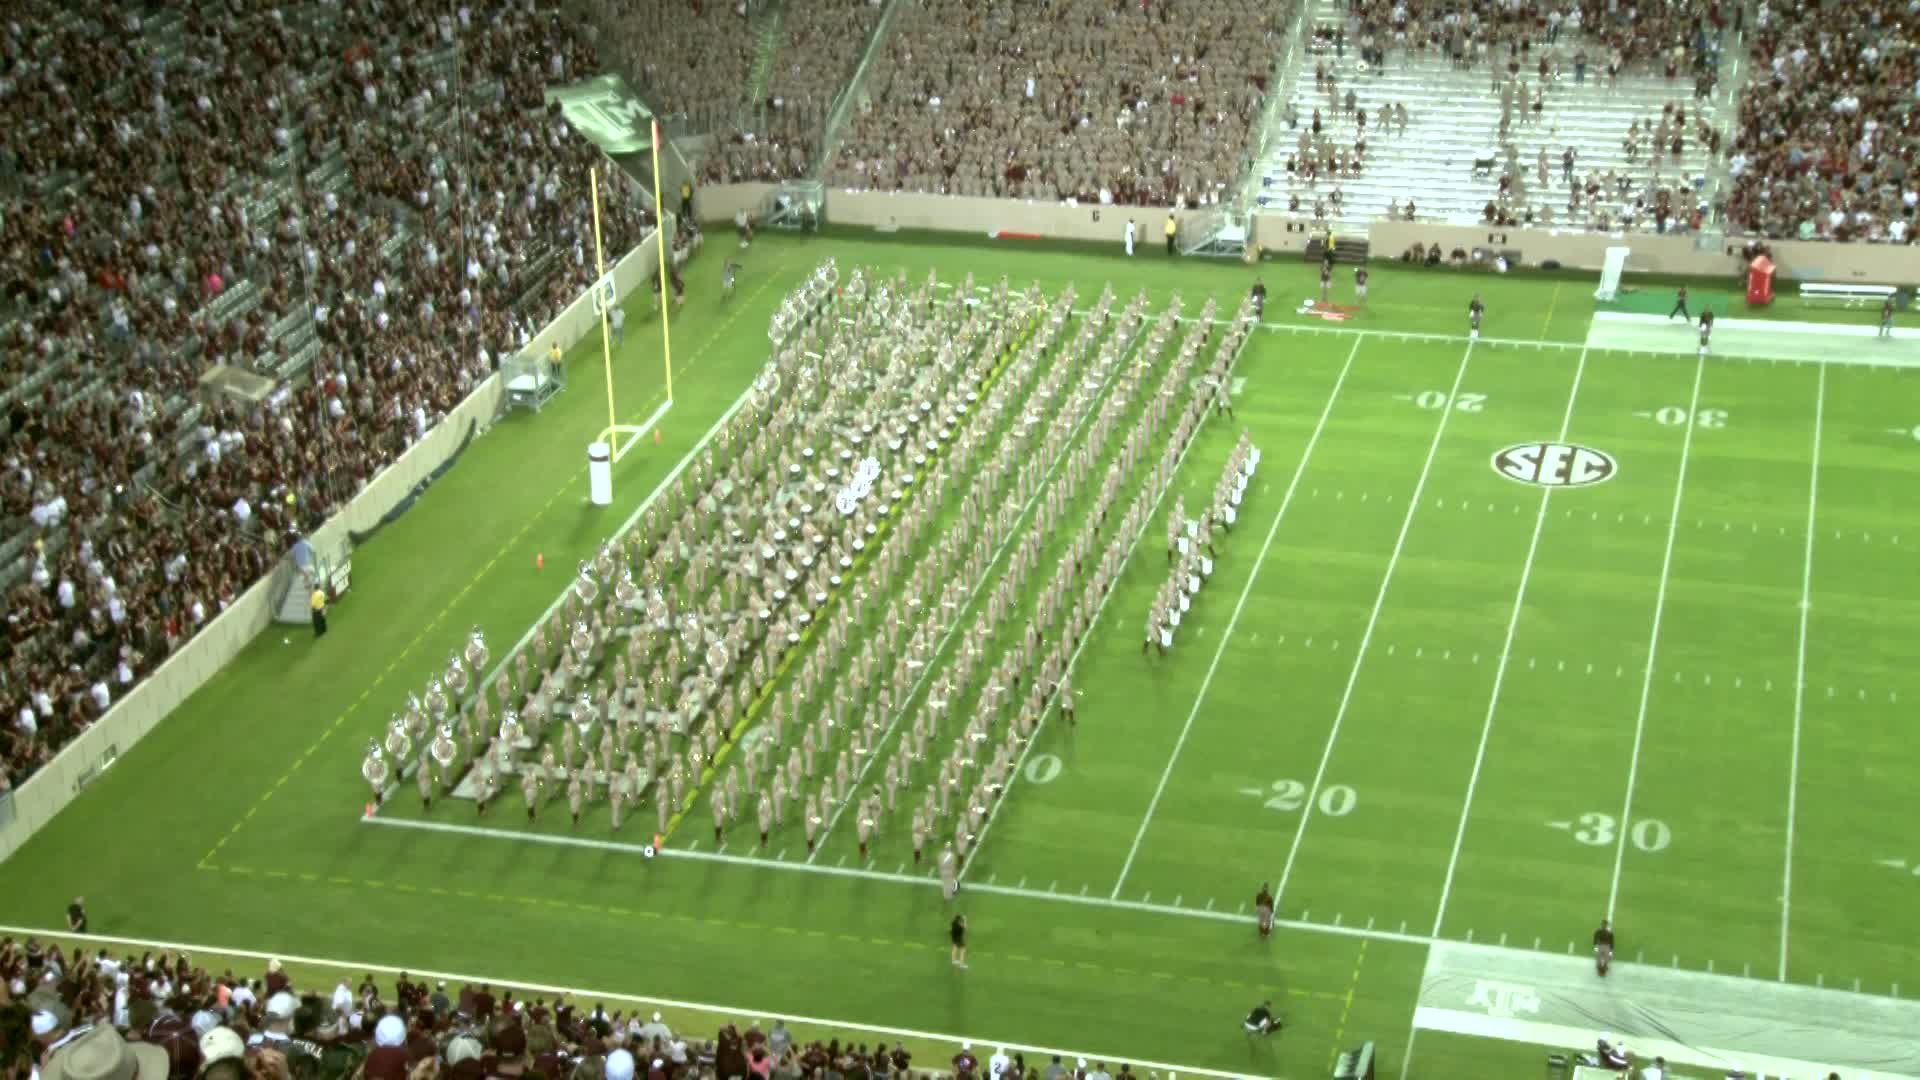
[1648, 834]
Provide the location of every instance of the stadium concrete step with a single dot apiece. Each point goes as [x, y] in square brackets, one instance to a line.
[1450, 159]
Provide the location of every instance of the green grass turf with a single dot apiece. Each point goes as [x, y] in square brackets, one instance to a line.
[235, 823]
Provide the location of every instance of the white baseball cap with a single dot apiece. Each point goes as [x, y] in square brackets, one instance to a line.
[219, 1044]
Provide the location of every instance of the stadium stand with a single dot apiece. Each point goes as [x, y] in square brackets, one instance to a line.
[1141, 104]
[811, 55]
[1509, 116]
[365, 211]
[227, 1026]
[1825, 143]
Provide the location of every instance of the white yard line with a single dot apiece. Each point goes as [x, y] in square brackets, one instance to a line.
[1625, 820]
[917, 881]
[1373, 620]
[1506, 653]
[1234, 619]
[1800, 670]
[588, 994]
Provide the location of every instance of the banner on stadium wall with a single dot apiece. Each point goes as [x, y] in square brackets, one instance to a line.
[609, 114]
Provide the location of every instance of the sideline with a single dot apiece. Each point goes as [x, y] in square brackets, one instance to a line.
[660, 1002]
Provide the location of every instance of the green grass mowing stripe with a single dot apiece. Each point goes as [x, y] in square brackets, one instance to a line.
[1800, 669]
[1500, 665]
[1625, 820]
[1233, 620]
[1061, 828]
[1366, 636]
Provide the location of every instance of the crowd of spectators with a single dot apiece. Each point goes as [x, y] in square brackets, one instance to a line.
[1827, 129]
[690, 59]
[387, 185]
[1091, 100]
[819, 46]
[81, 1013]
[1605, 35]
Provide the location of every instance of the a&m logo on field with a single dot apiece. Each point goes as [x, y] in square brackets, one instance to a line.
[1554, 465]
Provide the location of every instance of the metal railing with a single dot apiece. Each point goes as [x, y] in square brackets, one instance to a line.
[842, 102]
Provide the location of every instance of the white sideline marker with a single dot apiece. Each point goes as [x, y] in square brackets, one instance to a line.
[1800, 671]
[1233, 619]
[1653, 638]
[1373, 620]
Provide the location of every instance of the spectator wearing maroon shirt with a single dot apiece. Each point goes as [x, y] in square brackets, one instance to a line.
[964, 1063]
[277, 980]
[483, 1003]
[902, 1060]
[388, 1059]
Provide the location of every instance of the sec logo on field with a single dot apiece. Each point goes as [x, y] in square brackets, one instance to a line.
[1554, 465]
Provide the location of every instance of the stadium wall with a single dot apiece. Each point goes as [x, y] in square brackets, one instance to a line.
[1804, 260]
[1889, 264]
[57, 783]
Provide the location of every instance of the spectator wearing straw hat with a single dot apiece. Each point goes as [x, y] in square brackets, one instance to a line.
[101, 1053]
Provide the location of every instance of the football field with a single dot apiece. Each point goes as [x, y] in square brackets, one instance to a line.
[1510, 635]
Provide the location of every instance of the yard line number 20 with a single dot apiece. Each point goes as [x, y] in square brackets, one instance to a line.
[1434, 399]
[1648, 834]
[1336, 800]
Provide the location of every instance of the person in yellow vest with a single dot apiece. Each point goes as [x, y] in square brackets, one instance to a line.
[554, 361]
[686, 199]
[1171, 228]
[317, 604]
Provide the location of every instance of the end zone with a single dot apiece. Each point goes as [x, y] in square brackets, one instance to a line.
[1690, 1018]
[1757, 339]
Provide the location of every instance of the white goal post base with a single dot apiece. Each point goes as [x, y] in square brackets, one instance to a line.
[624, 437]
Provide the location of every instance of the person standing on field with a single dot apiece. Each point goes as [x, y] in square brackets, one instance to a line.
[1172, 228]
[1603, 948]
[958, 933]
[1130, 234]
[317, 605]
[1680, 304]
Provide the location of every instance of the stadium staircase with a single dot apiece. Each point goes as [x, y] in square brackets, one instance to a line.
[766, 45]
[1453, 122]
[852, 94]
